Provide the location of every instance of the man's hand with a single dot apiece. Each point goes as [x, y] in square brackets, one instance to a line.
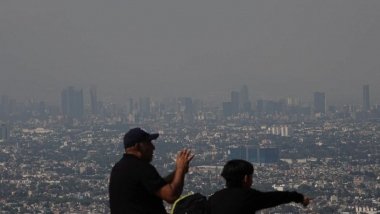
[305, 201]
[183, 159]
[171, 191]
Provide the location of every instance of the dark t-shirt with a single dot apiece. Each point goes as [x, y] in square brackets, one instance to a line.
[132, 187]
[247, 200]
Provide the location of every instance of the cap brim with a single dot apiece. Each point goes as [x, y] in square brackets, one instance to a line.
[153, 136]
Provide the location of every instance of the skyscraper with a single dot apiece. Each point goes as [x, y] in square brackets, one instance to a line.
[145, 106]
[319, 103]
[5, 106]
[3, 133]
[268, 106]
[245, 104]
[94, 100]
[235, 103]
[72, 102]
[366, 103]
[131, 106]
[186, 108]
[227, 109]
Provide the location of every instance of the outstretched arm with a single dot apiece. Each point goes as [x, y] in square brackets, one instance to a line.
[272, 199]
[171, 191]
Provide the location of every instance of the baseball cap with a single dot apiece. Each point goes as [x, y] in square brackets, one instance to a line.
[138, 135]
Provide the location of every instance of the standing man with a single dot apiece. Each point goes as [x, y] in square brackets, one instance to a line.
[239, 197]
[135, 186]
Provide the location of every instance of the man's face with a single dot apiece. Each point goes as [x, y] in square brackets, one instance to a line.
[146, 149]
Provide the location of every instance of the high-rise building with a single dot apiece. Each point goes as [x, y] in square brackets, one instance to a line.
[3, 133]
[255, 154]
[235, 102]
[268, 106]
[94, 100]
[6, 106]
[291, 101]
[131, 106]
[186, 108]
[319, 103]
[145, 106]
[282, 130]
[72, 102]
[244, 94]
[269, 155]
[245, 104]
[227, 109]
[366, 103]
[248, 153]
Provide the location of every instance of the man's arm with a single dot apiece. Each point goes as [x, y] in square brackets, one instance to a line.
[169, 178]
[272, 199]
[171, 191]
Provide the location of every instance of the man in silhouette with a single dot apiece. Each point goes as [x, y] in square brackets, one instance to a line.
[135, 185]
[239, 197]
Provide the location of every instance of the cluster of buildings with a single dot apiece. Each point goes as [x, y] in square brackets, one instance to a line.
[59, 160]
[73, 105]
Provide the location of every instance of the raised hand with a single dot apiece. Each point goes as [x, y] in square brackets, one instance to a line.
[183, 159]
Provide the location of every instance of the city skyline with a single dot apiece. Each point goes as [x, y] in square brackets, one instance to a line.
[90, 97]
[198, 49]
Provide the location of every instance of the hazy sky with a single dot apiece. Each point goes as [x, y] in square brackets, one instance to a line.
[200, 48]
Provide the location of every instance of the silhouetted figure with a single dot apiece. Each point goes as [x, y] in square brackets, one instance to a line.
[239, 197]
[135, 185]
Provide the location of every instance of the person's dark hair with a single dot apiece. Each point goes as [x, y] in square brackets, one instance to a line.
[234, 172]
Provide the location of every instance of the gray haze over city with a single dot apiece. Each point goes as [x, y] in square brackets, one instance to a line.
[198, 48]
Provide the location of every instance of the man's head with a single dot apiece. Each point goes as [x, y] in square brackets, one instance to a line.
[238, 173]
[139, 143]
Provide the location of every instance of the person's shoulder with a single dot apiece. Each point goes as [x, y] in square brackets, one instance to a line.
[229, 192]
[254, 190]
[125, 161]
[244, 192]
[137, 163]
[216, 194]
[220, 191]
[128, 158]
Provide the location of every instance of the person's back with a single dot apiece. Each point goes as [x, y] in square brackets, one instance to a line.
[239, 197]
[132, 186]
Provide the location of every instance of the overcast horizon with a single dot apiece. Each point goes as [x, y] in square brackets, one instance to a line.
[203, 49]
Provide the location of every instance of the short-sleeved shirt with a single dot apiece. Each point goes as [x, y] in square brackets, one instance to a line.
[132, 187]
[247, 200]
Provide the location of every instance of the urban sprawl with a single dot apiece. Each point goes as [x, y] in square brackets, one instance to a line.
[58, 159]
